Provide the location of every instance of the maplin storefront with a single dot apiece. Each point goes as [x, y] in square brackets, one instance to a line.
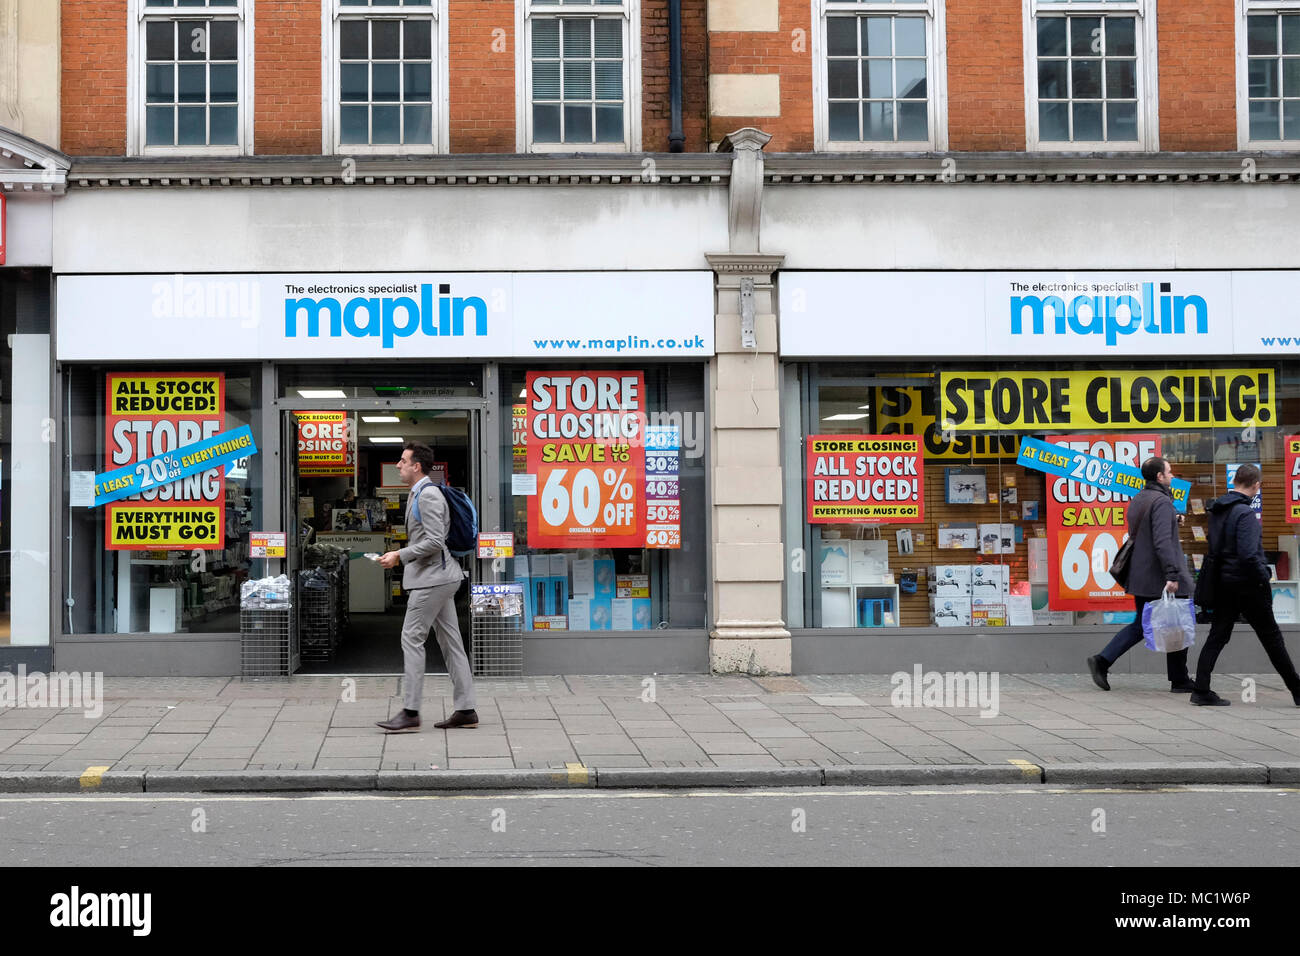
[557, 363]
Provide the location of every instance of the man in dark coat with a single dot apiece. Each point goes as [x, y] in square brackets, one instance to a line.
[1157, 565]
[1237, 544]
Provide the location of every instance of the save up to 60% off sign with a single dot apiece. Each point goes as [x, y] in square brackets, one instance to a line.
[586, 445]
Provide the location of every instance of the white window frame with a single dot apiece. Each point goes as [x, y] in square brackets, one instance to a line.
[138, 14]
[332, 14]
[1148, 76]
[936, 75]
[525, 12]
[1244, 9]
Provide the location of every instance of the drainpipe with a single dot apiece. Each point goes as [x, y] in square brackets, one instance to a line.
[676, 138]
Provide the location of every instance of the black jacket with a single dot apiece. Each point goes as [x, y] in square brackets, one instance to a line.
[1237, 541]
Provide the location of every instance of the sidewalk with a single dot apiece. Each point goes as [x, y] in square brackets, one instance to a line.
[224, 733]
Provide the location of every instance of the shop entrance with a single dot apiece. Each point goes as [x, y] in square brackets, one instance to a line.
[344, 497]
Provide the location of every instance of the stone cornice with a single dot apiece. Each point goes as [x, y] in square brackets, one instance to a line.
[743, 263]
[29, 166]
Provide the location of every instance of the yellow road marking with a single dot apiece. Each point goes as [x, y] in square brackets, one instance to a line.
[1031, 771]
[93, 777]
[578, 774]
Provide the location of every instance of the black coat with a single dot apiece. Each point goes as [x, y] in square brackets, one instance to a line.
[1157, 552]
[1237, 541]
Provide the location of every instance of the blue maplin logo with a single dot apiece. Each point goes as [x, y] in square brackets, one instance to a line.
[1103, 311]
[388, 318]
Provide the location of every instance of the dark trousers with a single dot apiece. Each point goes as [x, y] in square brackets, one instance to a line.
[1131, 634]
[1256, 605]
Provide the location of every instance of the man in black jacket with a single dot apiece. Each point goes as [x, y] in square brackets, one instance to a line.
[1237, 543]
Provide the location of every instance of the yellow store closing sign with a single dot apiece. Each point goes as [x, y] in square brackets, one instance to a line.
[1034, 401]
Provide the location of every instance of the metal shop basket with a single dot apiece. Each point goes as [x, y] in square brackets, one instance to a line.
[497, 630]
[265, 628]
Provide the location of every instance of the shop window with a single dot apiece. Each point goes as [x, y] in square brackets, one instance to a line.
[189, 90]
[580, 66]
[388, 76]
[652, 579]
[1268, 83]
[997, 543]
[880, 75]
[1087, 67]
[171, 559]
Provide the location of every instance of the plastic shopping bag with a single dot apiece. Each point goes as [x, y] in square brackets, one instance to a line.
[1169, 624]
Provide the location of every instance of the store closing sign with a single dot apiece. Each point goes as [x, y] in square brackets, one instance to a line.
[586, 445]
[149, 415]
[326, 444]
[1034, 401]
[871, 478]
[1292, 461]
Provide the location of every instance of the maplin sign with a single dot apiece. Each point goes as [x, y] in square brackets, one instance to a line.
[381, 315]
[1112, 315]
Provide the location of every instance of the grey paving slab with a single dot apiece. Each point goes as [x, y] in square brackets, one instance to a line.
[473, 743]
[604, 744]
[590, 725]
[713, 744]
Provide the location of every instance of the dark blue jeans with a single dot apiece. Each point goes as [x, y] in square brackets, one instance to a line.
[1131, 635]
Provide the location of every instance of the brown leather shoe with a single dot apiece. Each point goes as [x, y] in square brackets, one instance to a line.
[401, 724]
[460, 718]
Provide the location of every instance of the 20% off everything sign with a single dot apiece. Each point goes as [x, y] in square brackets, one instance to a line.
[586, 445]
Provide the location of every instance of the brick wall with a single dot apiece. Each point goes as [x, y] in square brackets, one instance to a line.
[986, 75]
[481, 45]
[287, 81]
[656, 106]
[1198, 75]
[93, 90]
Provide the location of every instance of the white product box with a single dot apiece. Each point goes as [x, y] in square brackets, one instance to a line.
[950, 611]
[990, 583]
[951, 580]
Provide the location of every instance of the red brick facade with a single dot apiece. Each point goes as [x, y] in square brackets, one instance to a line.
[656, 107]
[1198, 75]
[986, 75]
[481, 48]
[92, 114]
[287, 97]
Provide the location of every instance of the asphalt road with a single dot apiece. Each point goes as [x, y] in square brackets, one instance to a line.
[941, 826]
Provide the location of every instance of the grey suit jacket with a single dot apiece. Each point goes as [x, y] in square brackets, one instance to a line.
[425, 559]
[1157, 551]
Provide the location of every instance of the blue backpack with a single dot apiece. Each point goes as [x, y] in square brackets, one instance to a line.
[462, 526]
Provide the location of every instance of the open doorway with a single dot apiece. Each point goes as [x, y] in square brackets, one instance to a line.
[347, 502]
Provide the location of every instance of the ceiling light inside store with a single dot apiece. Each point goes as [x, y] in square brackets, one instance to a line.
[377, 419]
[322, 393]
[387, 440]
[844, 418]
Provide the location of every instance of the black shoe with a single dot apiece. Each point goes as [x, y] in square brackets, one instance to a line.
[403, 723]
[1098, 667]
[1209, 699]
[460, 718]
[1186, 687]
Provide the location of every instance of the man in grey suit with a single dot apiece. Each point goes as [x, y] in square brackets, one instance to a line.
[431, 577]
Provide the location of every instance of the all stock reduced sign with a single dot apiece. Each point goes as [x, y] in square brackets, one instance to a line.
[586, 441]
[877, 479]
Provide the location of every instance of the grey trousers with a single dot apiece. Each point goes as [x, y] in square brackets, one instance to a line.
[434, 607]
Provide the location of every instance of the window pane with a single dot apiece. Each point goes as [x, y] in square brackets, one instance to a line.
[844, 121]
[354, 124]
[609, 82]
[1291, 77]
[353, 40]
[1085, 36]
[878, 122]
[1051, 36]
[1086, 77]
[1261, 35]
[1291, 115]
[546, 124]
[577, 124]
[384, 37]
[1121, 79]
[1087, 122]
[385, 124]
[417, 39]
[192, 40]
[1053, 122]
[609, 38]
[160, 41]
[546, 38]
[224, 124]
[384, 82]
[909, 36]
[419, 124]
[842, 78]
[546, 81]
[418, 81]
[1121, 122]
[876, 40]
[577, 37]
[609, 124]
[192, 83]
[577, 80]
[159, 84]
[192, 126]
[1051, 79]
[1264, 120]
[353, 81]
[223, 83]
[841, 37]
[912, 122]
[1263, 78]
[911, 79]
[1291, 34]
[878, 78]
[158, 126]
[223, 40]
[1121, 36]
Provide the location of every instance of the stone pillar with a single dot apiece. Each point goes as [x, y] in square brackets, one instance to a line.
[748, 633]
